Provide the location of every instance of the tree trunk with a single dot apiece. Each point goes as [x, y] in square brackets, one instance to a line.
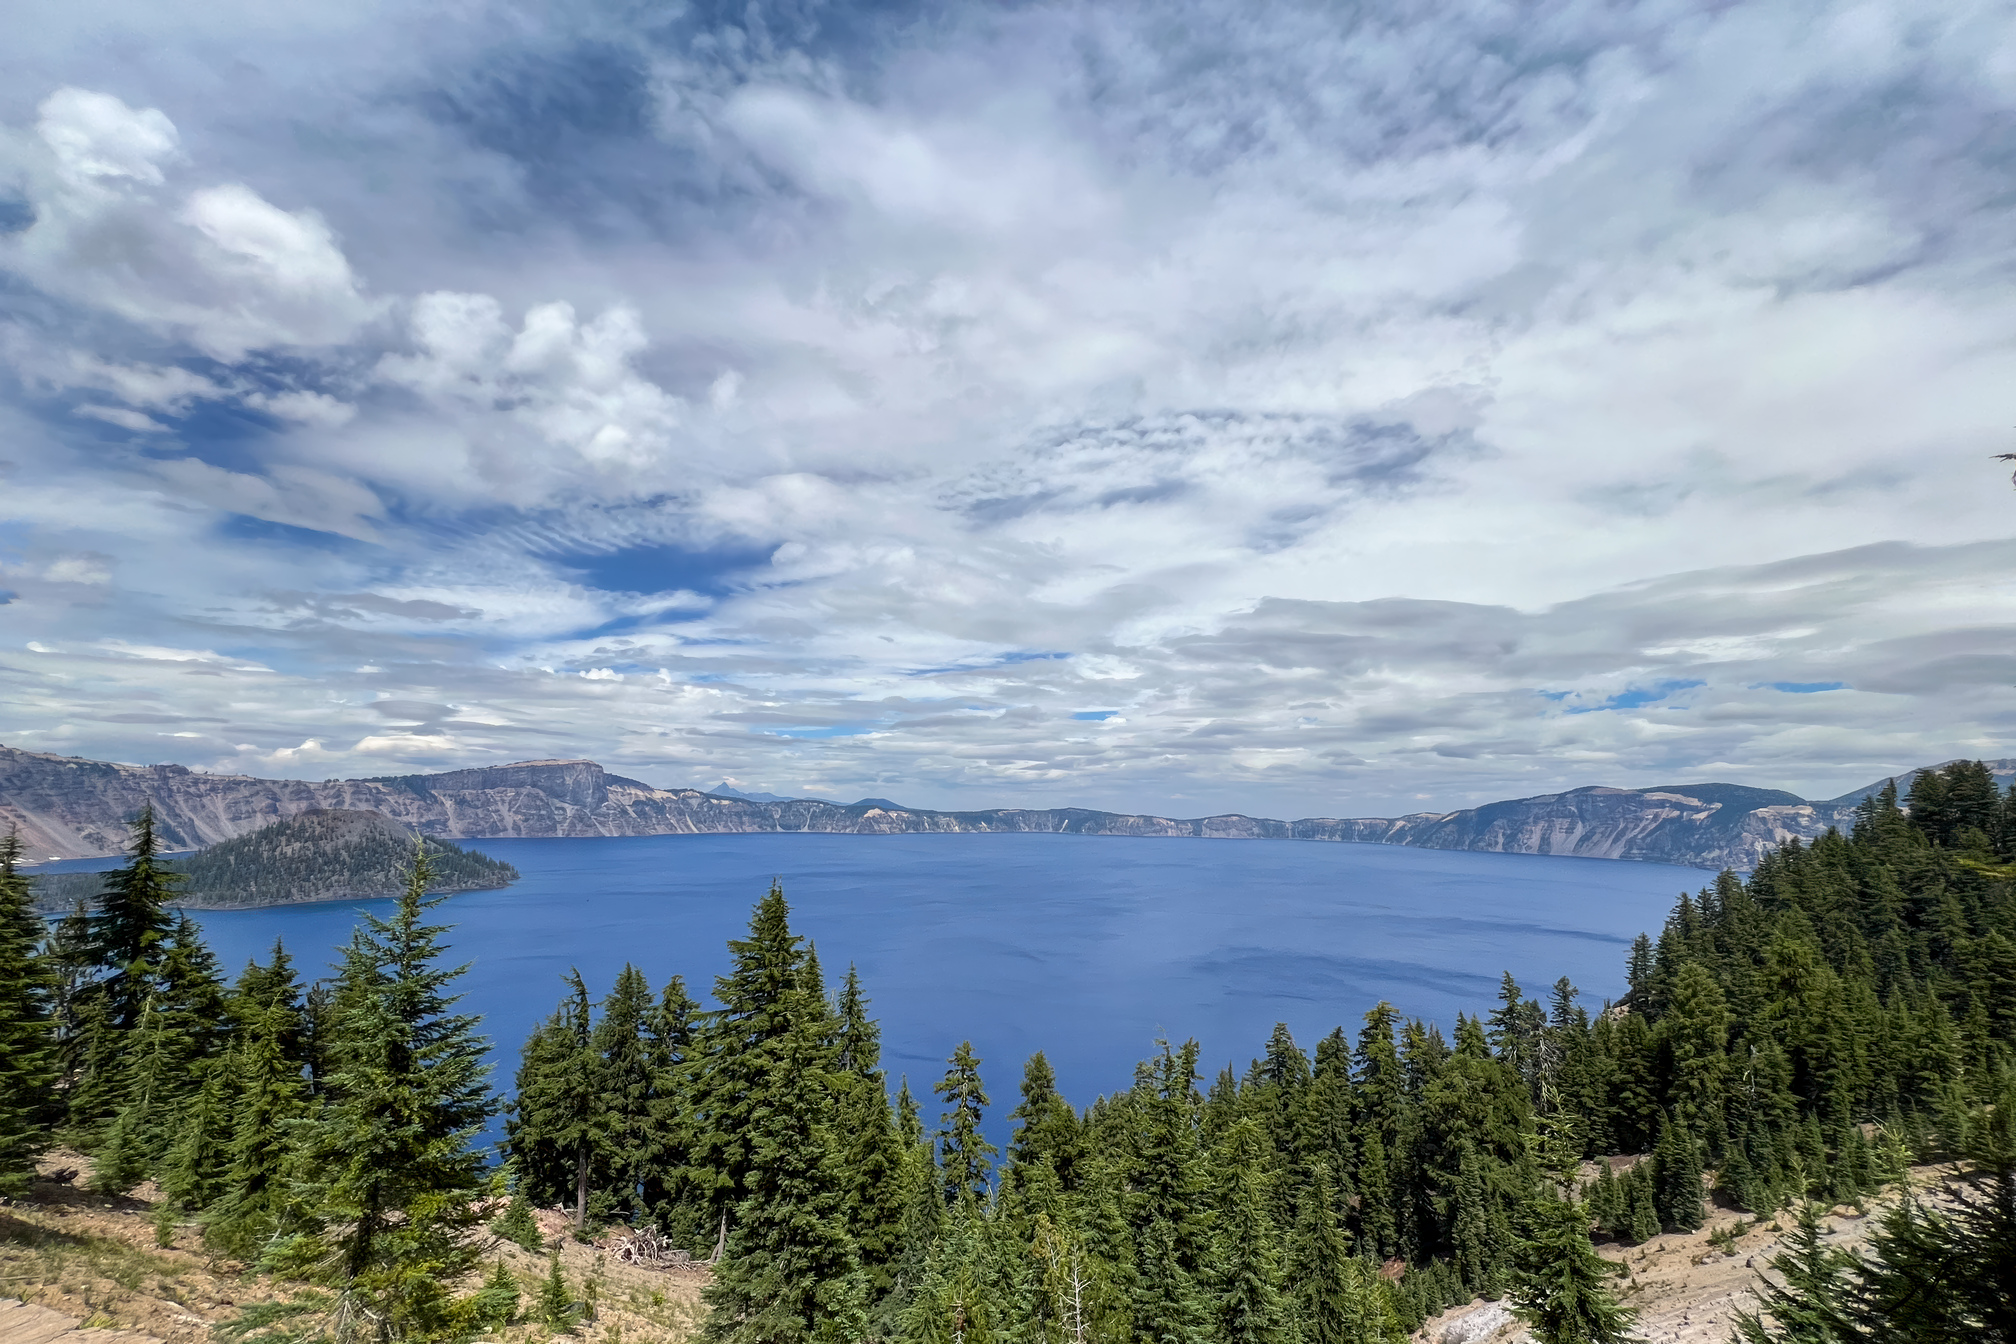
[581, 1186]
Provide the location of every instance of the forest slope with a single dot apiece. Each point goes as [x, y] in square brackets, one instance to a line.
[321, 855]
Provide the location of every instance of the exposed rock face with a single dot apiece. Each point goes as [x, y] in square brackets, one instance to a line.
[71, 808]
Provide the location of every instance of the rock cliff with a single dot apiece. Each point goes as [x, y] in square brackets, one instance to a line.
[71, 808]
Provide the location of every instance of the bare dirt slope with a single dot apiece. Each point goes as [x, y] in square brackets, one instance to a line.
[91, 1260]
[1687, 1288]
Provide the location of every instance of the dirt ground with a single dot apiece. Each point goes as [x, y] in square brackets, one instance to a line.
[1687, 1289]
[94, 1257]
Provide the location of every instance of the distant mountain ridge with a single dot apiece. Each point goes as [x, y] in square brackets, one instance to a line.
[67, 807]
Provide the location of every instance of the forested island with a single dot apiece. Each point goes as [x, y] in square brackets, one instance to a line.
[1788, 1042]
[327, 854]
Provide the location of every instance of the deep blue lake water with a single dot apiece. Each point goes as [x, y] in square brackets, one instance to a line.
[1087, 948]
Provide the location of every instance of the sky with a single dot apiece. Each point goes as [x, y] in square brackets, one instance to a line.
[1294, 409]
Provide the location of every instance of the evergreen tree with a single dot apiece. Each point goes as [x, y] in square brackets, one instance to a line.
[154, 1075]
[197, 1162]
[130, 932]
[791, 1271]
[624, 1081]
[125, 944]
[517, 1225]
[1807, 1304]
[1676, 1179]
[1247, 1269]
[495, 1305]
[1948, 1273]
[1322, 1271]
[1695, 1031]
[872, 1150]
[1046, 1129]
[386, 1175]
[27, 1030]
[1171, 1247]
[965, 1156]
[763, 1000]
[1641, 1209]
[1560, 1286]
[559, 1115]
[269, 1101]
[556, 1299]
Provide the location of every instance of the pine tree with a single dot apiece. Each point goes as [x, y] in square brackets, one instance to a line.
[1676, 1178]
[385, 1172]
[1560, 1286]
[1046, 1128]
[130, 932]
[624, 1086]
[1948, 1273]
[155, 1074]
[126, 944]
[194, 1170]
[871, 1156]
[1695, 1031]
[1642, 1211]
[556, 1299]
[1807, 1305]
[27, 1030]
[763, 1000]
[495, 1304]
[669, 1191]
[517, 1225]
[965, 1157]
[557, 1119]
[791, 1271]
[1247, 1269]
[1171, 1247]
[269, 1100]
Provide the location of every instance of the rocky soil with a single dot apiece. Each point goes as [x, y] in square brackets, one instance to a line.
[1687, 1287]
[93, 1258]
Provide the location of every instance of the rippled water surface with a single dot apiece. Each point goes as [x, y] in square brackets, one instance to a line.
[1085, 947]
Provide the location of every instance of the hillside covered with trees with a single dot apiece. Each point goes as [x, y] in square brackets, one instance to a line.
[1799, 1036]
[329, 854]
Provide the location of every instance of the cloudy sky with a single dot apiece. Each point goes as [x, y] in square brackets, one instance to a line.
[1295, 409]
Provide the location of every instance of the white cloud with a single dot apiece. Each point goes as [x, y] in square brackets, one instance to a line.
[98, 141]
[294, 495]
[1315, 389]
[125, 419]
[220, 266]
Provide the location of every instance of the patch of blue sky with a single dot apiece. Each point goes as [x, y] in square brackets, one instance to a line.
[1799, 687]
[244, 527]
[1637, 697]
[711, 572]
[1096, 715]
[827, 731]
[1000, 660]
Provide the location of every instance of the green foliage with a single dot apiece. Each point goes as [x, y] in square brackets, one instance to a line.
[384, 1179]
[495, 1305]
[964, 1156]
[1560, 1286]
[516, 1224]
[27, 1029]
[1858, 985]
[559, 1115]
[557, 1306]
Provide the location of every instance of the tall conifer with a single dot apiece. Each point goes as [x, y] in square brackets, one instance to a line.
[386, 1174]
[27, 1030]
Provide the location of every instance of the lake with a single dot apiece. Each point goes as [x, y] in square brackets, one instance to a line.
[1086, 947]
